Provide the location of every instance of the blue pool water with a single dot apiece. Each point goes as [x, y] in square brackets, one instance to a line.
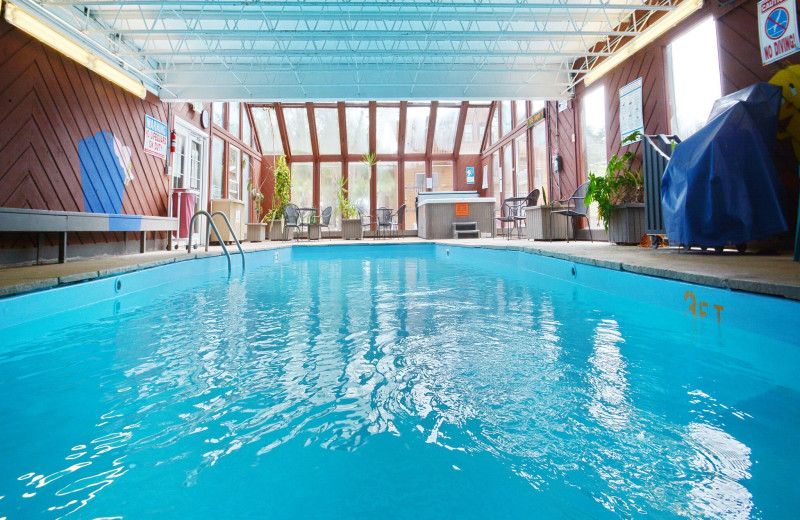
[397, 382]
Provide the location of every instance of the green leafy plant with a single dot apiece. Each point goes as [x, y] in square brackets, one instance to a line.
[346, 207]
[283, 190]
[370, 159]
[258, 198]
[544, 196]
[621, 183]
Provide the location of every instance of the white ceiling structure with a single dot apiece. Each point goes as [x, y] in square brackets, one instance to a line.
[318, 50]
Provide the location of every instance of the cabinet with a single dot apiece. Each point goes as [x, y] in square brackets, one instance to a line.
[234, 210]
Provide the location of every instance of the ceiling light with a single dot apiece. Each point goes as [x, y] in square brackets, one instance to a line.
[658, 28]
[44, 33]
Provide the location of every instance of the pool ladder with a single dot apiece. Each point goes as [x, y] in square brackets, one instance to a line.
[209, 226]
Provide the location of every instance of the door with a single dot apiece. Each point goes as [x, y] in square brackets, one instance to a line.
[191, 149]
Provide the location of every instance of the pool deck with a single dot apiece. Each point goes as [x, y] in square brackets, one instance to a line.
[775, 275]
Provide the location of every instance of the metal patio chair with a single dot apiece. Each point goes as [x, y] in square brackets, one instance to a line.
[575, 208]
[291, 219]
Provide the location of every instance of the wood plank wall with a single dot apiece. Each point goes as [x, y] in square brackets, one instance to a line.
[49, 104]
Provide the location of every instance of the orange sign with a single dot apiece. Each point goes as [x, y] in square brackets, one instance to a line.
[462, 209]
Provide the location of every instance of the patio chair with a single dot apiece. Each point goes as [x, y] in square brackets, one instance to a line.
[575, 208]
[509, 215]
[384, 217]
[366, 220]
[325, 221]
[398, 220]
[291, 218]
[532, 198]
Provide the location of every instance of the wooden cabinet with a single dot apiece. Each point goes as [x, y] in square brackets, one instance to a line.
[235, 211]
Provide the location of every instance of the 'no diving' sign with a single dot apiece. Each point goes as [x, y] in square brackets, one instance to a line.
[777, 29]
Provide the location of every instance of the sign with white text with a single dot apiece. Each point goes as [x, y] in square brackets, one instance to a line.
[155, 137]
[630, 109]
[470, 175]
[777, 29]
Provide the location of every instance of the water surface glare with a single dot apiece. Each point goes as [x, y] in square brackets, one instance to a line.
[396, 385]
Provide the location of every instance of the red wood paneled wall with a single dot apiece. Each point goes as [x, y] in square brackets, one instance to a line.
[49, 104]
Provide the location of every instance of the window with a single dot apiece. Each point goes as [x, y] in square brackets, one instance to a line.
[387, 124]
[303, 184]
[442, 172]
[593, 119]
[234, 171]
[521, 111]
[327, 120]
[217, 167]
[445, 134]
[540, 159]
[330, 174]
[217, 111]
[508, 175]
[297, 130]
[233, 118]
[497, 179]
[521, 146]
[693, 65]
[414, 175]
[267, 128]
[357, 119]
[506, 116]
[180, 161]
[493, 135]
[358, 185]
[247, 134]
[245, 181]
[417, 118]
[474, 127]
[387, 185]
[537, 105]
[196, 165]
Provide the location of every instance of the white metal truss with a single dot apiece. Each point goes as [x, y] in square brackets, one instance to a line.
[317, 50]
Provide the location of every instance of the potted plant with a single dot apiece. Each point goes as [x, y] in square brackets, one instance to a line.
[280, 198]
[351, 222]
[619, 195]
[256, 231]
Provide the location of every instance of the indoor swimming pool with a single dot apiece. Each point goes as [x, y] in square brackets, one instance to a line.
[397, 381]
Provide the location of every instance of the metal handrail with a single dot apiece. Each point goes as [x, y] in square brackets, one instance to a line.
[233, 234]
[210, 225]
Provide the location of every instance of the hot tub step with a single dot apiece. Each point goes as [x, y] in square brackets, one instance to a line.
[466, 230]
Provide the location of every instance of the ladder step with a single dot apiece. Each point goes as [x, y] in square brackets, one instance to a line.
[465, 226]
[471, 233]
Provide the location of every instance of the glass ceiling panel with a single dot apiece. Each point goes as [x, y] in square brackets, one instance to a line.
[267, 128]
[445, 134]
[327, 120]
[417, 128]
[474, 128]
[357, 130]
[297, 130]
[387, 123]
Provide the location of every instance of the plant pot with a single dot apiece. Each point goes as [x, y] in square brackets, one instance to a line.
[352, 229]
[626, 224]
[256, 232]
[538, 225]
[276, 230]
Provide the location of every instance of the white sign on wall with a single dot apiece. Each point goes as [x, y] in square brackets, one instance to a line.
[777, 29]
[630, 109]
[155, 137]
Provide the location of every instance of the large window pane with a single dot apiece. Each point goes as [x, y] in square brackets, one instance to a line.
[474, 127]
[387, 185]
[297, 129]
[327, 120]
[247, 134]
[417, 129]
[234, 172]
[445, 134]
[357, 130]
[217, 112]
[303, 184]
[217, 167]
[521, 145]
[267, 128]
[245, 181]
[537, 105]
[506, 116]
[233, 118]
[387, 120]
[414, 175]
[694, 77]
[508, 176]
[593, 108]
[540, 159]
[497, 179]
[329, 176]
[358, 175]
[521, 112]
[494, 135]
[442, 172]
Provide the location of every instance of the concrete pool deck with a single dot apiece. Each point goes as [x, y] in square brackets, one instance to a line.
[774, 275]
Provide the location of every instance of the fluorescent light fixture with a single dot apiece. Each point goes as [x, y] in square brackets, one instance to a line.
[44, 33]
[661, 26]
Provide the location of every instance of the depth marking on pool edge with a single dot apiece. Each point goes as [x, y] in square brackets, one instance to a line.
[698, 308]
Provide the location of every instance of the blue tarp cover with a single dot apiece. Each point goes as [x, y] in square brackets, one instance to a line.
[720, 186]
